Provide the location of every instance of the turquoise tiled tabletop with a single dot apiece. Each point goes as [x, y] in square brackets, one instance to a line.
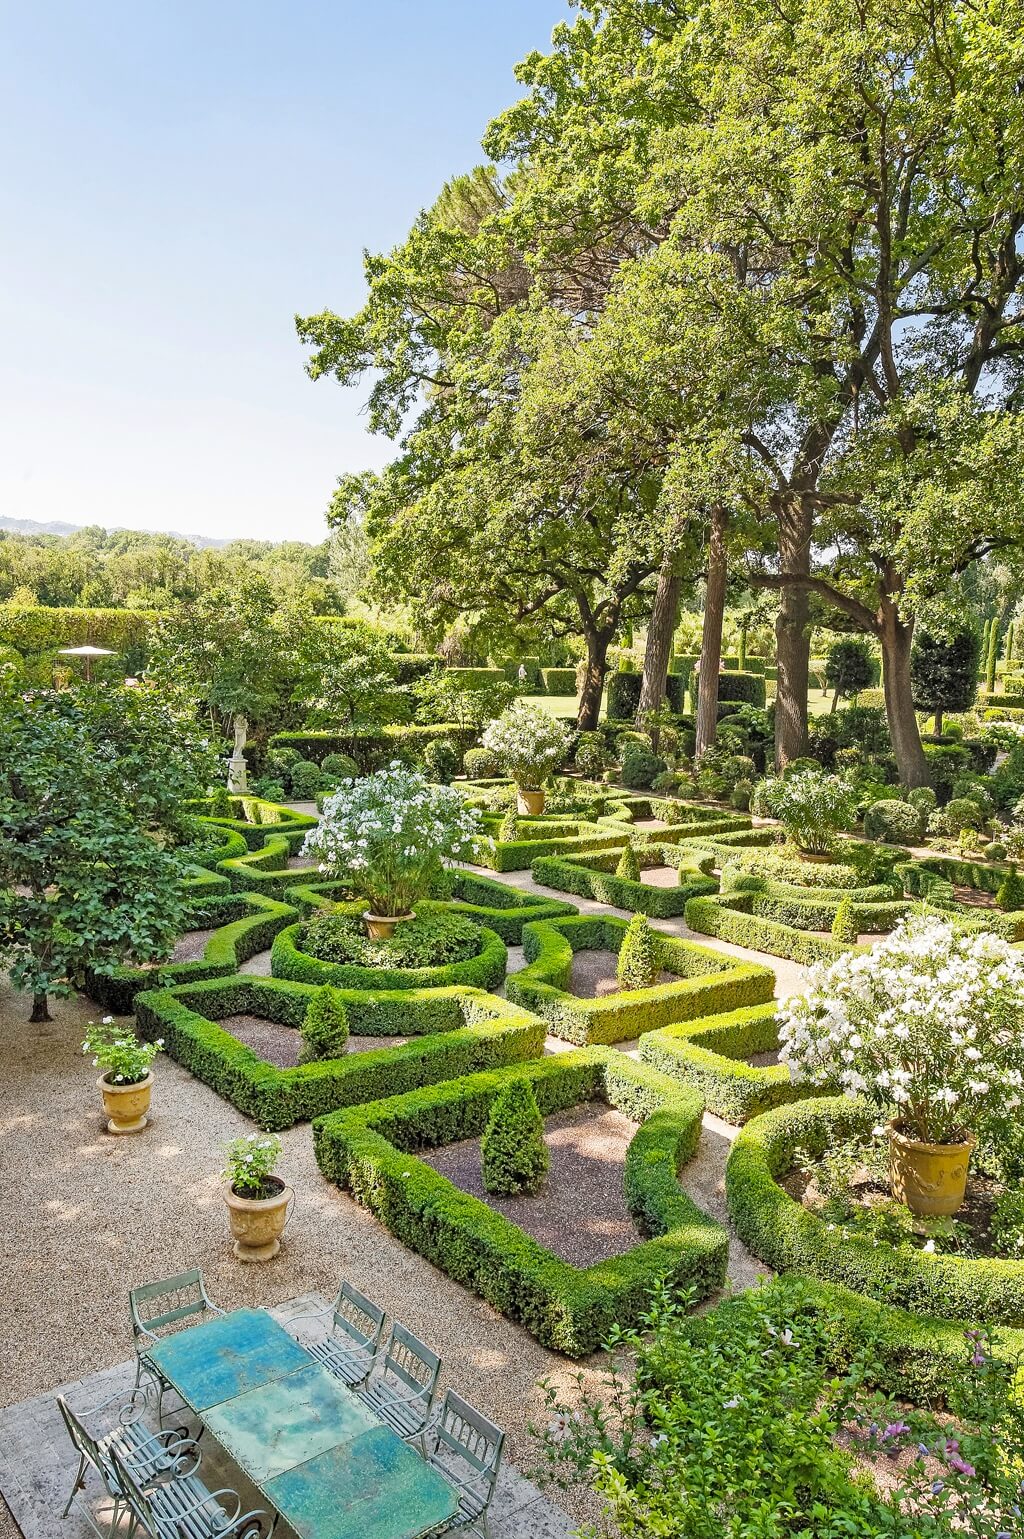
[270, 1429]
[226, 1356]
[371, 1487]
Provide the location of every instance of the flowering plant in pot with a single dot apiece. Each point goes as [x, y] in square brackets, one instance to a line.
[926, 1026]
[813, 808]
[529, 744]
[126, 1083]
[258, 1202]
[388, 836]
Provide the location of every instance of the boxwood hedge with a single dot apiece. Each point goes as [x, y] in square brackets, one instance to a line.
[484, 970]
[368, 1151]
[454, 1032]
[593, 876]
[789, 1237]
[707, 982]
[545, 836]
[711, 1055]
[730, 917]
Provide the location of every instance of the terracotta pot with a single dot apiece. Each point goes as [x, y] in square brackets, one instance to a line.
[257, 1223]
[930, 1178]
[530, 803]
[126, 1105]
[382, 926]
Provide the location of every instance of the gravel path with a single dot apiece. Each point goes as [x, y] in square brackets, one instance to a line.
[580, 1213]
[190, 947]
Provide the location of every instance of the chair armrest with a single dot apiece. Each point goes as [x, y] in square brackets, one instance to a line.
[311, 1314]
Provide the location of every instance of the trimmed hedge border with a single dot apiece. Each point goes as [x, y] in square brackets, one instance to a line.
[566, 836]
[485, 970]
[502, 908]
[709, 982]
[710, 1055]
[367, 1151]
[251, 921]
[261, 818]
[391, 742]
[788, 1237]
[266, 869]
[730, 919]
[593, 876]
[928, 879]
[456, 1032]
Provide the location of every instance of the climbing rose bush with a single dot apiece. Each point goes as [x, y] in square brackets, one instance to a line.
[527, 742]
[389, 835]
[812, 807]
[927, 1022]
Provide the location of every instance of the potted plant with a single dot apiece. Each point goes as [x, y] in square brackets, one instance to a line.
[258, 1201]
[926, 1026]
[813, 808]
[388, 836]
[529, 744]
[126, 1083]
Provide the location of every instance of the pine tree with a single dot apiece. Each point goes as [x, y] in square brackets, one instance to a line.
[324, 1029]
[513, 1154]
[638, 965]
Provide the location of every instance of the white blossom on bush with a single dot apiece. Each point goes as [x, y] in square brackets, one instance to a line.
[928, 1022]
[527, 742]
[388, 835]
[812, 807]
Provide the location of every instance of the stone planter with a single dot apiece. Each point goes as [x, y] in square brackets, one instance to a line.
[930, 1178]
[257, 1223]
[530, 803]
[382, 926]
[126, 1106]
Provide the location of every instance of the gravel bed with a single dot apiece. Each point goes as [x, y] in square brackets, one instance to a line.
[659, 876]
[580, 1212]
[191, 946]
[764, 1060]
[279, 1044]
[593, 974]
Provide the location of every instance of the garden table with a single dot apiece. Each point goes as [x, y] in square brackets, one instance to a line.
[318, 1456]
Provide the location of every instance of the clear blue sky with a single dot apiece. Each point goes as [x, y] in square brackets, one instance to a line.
[178, 181]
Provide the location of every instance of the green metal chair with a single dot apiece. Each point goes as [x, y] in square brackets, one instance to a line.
[401, 1393]
[350, 1348]
[465, 1449]
[147, 1455]
[185, 1509]
[154, 1307]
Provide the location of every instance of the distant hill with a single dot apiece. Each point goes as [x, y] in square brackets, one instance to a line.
[58, 527]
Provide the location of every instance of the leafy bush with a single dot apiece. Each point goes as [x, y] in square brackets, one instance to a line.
[480, 764]
[640, 766]
[923, 798]
[849, 667]
[668, 782]
[962, 812]
[340, 766]
[638, 965]
[591, 754]
[894, 822]
[513, 1154]
[220, 803]
[813, 808]
[628, 868]
[624, 694]
[430, 940]
[324, 1028]
[739, 796]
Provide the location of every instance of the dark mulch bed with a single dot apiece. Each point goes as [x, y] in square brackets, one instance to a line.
[580, 1213]
[279, 1045]
[974, 898]
[764, 1060]
[593, 974]
[190, 947]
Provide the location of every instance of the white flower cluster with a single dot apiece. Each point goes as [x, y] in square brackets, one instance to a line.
[528, 743]
[388, 835]
[928, 1021]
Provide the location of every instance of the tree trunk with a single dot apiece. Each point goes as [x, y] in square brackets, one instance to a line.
[711, 635]
[792, 636]
[658, 652]
[589, 711]
[938, 722]
[896, 637]
[40, 1009]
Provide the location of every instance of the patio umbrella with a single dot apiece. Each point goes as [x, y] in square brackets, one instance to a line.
[88, 653]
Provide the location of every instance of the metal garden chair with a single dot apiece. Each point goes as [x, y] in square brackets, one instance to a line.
[157, 1305]
[185, 1509]
[350, 1348]
[146, 1455]
[400, 1394]
[465, 1449]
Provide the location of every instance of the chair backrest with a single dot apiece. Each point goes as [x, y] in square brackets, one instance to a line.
[466, 1433]
[156, 1304]
[86, 1445]
[357, 1318]
[409, 1361]
[133, 1497]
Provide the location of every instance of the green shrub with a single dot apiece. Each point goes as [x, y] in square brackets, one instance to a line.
[996, 850]
[324, 1028]
[624, 694]
[628, 868]
[307, 779]
[739, 796]
[485, 968]
[894, 822]
[480, 764]
[220, 803]
[711, 1055]
[923, 799]
[640, 766]
[1011, 892]
[594, 876]
[638, 966]
[668, 782]
[441, 758]
[340, 766]
[844, 925]
[731, 920]
[733, 686]
[962, 812]
[513, 1154]
[591, 754]
[508, 830]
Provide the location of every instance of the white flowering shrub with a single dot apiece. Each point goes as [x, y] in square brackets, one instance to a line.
[527, 742]
[927, 1022]
[813, 808]
[388, 836]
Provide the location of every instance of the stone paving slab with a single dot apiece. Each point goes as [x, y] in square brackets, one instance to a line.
[38, 1463]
